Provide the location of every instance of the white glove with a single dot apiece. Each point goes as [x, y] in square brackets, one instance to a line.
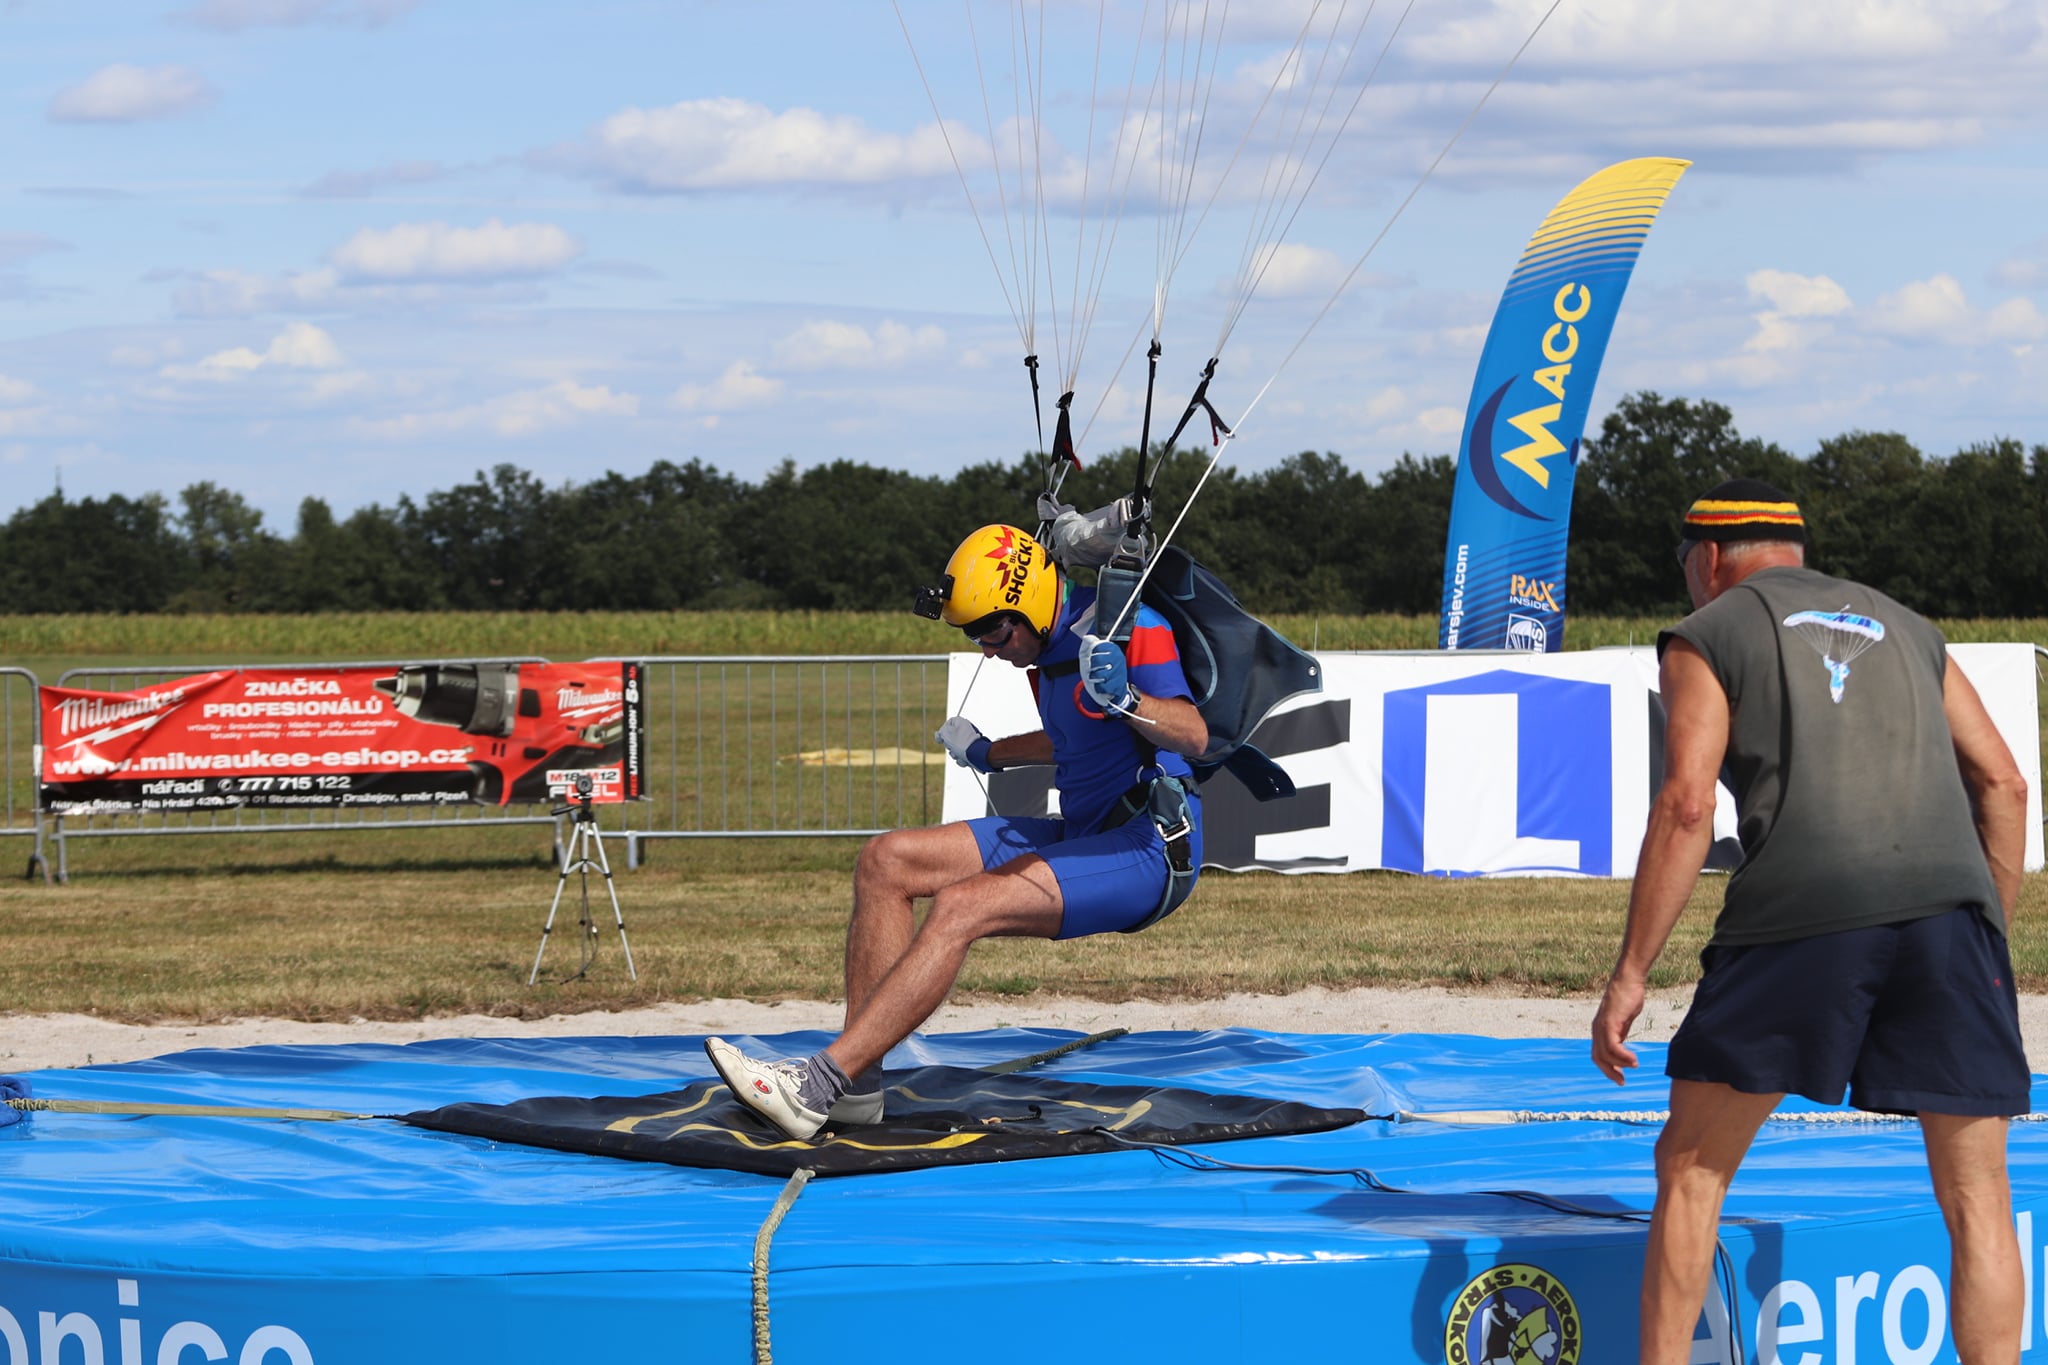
[968, 746]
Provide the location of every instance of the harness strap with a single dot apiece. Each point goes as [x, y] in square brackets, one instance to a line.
[1164, 801]
[1218, 428]
[1062, 457]
[1037, 410]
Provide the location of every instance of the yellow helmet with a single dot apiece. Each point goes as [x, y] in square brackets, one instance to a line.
[998, 570]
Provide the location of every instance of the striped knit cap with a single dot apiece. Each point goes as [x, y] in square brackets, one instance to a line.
[1745, 509]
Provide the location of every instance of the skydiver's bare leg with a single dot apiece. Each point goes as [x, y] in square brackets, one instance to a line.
[895, 871]
[1020, 899]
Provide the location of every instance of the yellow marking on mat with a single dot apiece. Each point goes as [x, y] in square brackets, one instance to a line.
[628, 1124]
[886, 757]
[1131, 1113]
[749, 1141]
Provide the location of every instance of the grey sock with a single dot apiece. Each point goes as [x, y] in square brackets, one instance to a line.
[823, 1082]
[868, 1082]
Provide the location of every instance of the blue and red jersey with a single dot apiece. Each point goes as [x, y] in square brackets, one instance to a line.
[1097, 757]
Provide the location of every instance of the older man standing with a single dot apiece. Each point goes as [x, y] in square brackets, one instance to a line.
[1861, 947]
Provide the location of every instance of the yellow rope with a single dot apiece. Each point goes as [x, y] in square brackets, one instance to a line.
[783, 1204]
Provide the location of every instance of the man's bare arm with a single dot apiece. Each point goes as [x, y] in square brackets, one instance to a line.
[1998, 791]
[1174, 724]
[1021, 751]
[1675, 844]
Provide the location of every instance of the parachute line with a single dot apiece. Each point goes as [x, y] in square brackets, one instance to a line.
[1029, 323]
[1230, 434]
[1023, 331]
[1399, 209]
[1256, 264]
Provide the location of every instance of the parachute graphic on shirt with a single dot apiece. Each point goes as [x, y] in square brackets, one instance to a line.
[1838, 637]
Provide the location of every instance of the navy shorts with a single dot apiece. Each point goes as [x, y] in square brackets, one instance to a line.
[1109, 882]
[1917, 1015]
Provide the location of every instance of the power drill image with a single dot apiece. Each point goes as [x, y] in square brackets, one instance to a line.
[577, 721]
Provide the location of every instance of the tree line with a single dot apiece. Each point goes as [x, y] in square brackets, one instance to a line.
[1962, 535]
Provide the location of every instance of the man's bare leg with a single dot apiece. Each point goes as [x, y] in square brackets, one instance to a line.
[895, 871]
[1966, 1157]
[1702, 1144]
[1019, 899]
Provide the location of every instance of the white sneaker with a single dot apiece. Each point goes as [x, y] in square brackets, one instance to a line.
[856, 1108]
[770, 1089]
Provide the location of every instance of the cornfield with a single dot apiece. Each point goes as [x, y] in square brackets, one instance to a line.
[576, 635]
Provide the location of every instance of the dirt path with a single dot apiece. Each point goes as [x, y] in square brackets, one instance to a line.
[31, 1042]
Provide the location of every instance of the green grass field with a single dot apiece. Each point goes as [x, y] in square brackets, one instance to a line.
[336, 927]
[398, 924]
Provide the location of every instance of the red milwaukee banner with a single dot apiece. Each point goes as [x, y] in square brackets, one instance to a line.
[423, 734]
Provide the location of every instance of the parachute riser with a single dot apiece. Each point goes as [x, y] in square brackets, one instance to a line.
[1199, 402]
[1057, 463]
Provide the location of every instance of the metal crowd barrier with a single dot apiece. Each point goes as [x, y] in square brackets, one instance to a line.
[781, 746]
[21, 813]
[60, 830]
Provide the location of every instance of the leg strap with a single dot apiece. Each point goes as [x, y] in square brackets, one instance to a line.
[1164, 802]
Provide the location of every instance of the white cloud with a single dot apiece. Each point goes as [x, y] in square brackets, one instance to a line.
[1388, 403]
[1932, 309]
[2027, 269]
[330, 386]
[14, 391]
[1664, 36]
[1291, 270]
[1441, 423]
[2016, 320]
[129, 94]
[236, 293]
[300, 346]
[145, 355]
[1798, 296]
[1739, 85]
[525, 413]
[1793, 321]
[437, 251]
[728, 143]
[738, 387]
[234, 15]
[827, 345]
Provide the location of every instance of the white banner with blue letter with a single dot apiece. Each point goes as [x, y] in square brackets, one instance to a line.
[1454, 764]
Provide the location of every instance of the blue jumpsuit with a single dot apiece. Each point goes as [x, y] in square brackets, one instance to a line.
[1111, 869]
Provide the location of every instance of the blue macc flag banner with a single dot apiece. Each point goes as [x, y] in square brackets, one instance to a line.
[1504, 563]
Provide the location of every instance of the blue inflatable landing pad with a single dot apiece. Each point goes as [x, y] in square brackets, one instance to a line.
[266, 1241]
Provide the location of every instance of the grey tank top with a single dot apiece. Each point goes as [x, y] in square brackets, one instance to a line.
[1850, 805]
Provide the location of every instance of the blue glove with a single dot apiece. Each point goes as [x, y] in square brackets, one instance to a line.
[968, 746]
[1107, 675]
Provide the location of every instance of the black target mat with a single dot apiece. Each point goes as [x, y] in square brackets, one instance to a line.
[935, 1116]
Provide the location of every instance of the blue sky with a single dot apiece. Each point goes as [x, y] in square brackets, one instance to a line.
[362, 248]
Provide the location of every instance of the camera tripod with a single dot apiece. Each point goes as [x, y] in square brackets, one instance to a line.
[584, 841]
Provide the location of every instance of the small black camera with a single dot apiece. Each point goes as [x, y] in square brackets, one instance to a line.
[930, 602]
[585, 785]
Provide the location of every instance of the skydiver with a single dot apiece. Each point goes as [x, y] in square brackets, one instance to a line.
[1118, 725]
